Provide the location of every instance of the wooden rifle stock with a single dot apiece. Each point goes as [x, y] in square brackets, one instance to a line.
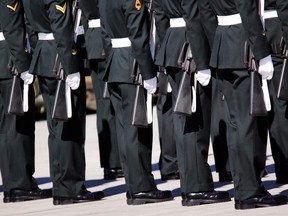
[257, 103]
[162, 81]
[183, 104]
[59, 111]
[282, 92]
[15, 105]
[139, 117]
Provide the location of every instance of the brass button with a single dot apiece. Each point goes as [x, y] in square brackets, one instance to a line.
[74, 52]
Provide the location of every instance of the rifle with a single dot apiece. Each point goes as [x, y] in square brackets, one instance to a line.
[139, 117]
[184, 98]
[282, 92]
[62, 108]
[162, 81]
[15, 105]
[59, 111]
[106, 93]
[257, 103]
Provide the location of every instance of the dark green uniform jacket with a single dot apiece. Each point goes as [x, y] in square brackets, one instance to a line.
[231, 38]
[93, 40]
[50, 16]
[11, 24]
[120, 61]
[175, 37]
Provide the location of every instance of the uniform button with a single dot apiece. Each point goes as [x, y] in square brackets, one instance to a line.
[74, 52]
[223, 97]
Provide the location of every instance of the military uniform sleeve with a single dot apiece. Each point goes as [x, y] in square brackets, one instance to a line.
[137, 22]
[60, 16]
[32, 36]
[282, 10]
[208, 19]
[195, 34]
[106, 40]
[161, 20]
[13, 25]
[252, 24]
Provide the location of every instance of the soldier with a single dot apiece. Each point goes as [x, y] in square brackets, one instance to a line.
[17, 138]
[51, 20]
[126, 32]
[238, 23]
[192, 132]
[276, 27]
[108, 147]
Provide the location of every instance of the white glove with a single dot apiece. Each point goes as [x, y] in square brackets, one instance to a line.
[73, 80]
[266, 68]
[27, 77]
[203, 76]
[150, 85]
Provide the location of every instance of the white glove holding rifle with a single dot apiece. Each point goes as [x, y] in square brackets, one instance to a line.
[73, 80]
[150, 85]
[266, 68]
[203, 76]
[27, 77]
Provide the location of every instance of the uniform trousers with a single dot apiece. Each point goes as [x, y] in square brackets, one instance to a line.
[246, 134]
[168, 157]
[135, 143]
[106, 128]
[17, 142]
[66, 140]
[219, 129]
[192, 139]
[278, 120]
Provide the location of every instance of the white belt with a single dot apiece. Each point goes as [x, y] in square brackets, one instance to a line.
[45, 36]
[120, 42]
[270, 14]
[2, 38]
[94, 23]
[177, 22]
[229, 20]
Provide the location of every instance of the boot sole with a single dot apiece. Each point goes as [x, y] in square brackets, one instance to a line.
[145, 201]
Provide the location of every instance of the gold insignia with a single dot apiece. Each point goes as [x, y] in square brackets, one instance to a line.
[13, 8]
[62, 9]
[26, 50]
[74, 52]
[138, 4]
[263, 33]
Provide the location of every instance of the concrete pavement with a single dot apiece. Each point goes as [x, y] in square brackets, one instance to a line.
[115, 201]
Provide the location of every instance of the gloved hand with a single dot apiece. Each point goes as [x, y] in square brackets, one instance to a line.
[150, 85]
[73, 80]
[27, 77]
[266, 68]
[203, 76]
